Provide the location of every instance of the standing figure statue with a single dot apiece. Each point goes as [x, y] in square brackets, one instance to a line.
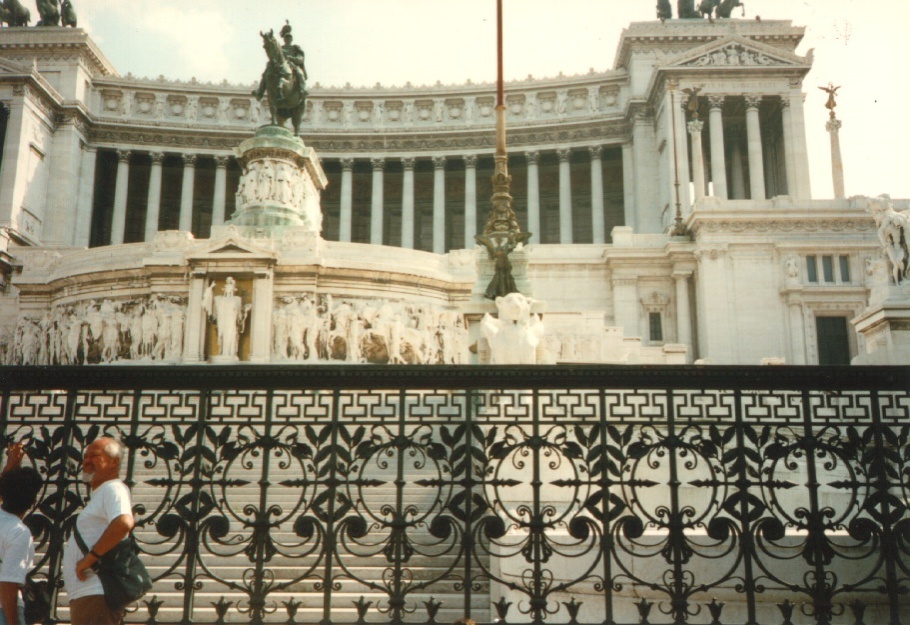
[284, 78]
[830, 104]
[50, 13]
[499, 246]
[229, 314]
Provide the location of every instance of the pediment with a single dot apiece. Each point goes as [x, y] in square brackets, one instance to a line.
[233, 248]
[8, 67]
[736, 52]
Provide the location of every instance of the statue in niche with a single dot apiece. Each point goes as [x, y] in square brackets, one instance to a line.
[229, 314]
[284, 78]
[513, 337]
[894, 233]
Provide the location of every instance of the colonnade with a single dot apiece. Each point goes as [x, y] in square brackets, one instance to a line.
[753, 160]
[378, 204]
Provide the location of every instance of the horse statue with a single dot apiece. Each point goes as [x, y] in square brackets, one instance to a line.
[14, 13]
[67, 14]
[50, 13]
[287, 97]
[725, 8]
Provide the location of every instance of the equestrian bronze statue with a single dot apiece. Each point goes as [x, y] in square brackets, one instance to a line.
[284, 78]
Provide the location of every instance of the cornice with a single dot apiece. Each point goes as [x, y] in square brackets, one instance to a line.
[46, 40]
[327, 143]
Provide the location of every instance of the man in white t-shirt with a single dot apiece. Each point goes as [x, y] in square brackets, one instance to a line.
[104, 522]
[19, 488]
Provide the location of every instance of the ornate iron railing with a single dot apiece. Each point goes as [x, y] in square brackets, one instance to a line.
[571, 494]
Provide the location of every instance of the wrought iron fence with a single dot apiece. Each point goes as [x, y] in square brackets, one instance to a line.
[566, 494]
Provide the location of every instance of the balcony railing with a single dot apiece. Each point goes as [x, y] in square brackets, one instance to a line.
[421, 494]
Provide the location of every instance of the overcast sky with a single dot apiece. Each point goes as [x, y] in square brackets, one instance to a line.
[860, 44]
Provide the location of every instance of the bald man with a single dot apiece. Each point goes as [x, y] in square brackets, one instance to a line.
[104, 522]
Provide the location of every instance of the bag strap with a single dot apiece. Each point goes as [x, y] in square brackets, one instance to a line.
[79, 540]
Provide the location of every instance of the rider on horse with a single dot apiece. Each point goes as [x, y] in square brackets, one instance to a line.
[294, 54]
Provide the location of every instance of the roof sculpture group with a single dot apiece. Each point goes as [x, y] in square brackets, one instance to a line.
[14, 13]
[686, 9]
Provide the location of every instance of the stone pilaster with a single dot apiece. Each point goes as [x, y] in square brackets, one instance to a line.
[86, 197]
[261, 316]
[628, 184]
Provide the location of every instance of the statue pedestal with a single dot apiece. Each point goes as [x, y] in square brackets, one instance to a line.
[281, 183]
[885, 327]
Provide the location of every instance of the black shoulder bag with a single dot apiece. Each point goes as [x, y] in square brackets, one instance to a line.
[122, 574]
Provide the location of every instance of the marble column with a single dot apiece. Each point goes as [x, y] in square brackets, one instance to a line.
[220, 190]
[628, 185]
[153, 209]
[407, 202]
[737, 173]
[718, 158]
[186, 193]
[470, 200]
[121, 186]
[261, 316]
[797, 333]
[376, 216]
[683, 316]
[86, 197]
[753, 138]
[837, 165]
[439, 204]
[787, 123]
[194, 331]
[347, 185]
[802, 187]
[695, 128]
[534, 195]
[565, 196]
[598, 227]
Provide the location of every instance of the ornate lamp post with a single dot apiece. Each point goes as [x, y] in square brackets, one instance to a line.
[501, 233]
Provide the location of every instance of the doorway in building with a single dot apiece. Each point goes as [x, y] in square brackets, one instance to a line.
[833, 340]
